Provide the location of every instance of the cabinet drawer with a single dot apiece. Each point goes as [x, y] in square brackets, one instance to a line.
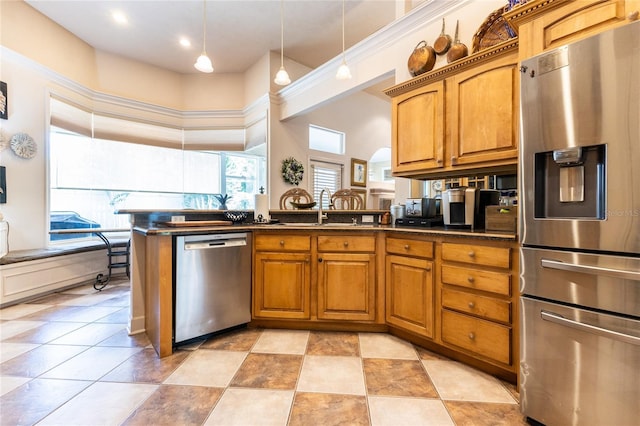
[282, 242]
[337, 243]
[482, 337]
[407, 247]
[494, 282]
[486, 307]
[499, 257]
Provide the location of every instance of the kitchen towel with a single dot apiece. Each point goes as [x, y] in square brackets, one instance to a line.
[261, 207]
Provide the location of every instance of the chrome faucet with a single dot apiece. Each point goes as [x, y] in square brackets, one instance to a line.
[322, 215]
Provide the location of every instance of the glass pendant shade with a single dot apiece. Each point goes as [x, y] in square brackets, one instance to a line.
[343, 72]
[203, 64]
[282, 77]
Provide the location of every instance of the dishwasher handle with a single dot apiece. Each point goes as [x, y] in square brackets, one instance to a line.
[213, 244]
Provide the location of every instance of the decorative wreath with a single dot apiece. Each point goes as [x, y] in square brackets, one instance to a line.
[292, 170]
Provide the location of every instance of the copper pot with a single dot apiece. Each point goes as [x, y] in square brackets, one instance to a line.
[457, 50]
[443, 42]
[422, 59]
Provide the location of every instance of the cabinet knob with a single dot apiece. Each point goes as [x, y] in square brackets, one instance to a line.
[471, 253]
[346, 244]
[470, 279]
[472, 305]
[406, 246]
[633, 16]
[428, 269]
[281, 242]
[472, 336]
[320, 259]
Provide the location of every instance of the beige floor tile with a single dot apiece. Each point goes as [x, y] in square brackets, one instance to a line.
[34, 400]
[456, 381]
[10, 329]
[17, 311]
[91, 364]
[89, 299]
[394, 411]
[207, 367]
[380, 345]
[46, 333]
[9, 383]
[100, 404]
[292, 342]
[332, 374]
[11, 350]
[267, 407]
[39, 360]
[89, 335]
[146, 367]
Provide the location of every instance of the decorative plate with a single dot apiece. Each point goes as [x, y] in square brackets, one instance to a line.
[4, 142]
[436, 185]
[493, 30]
[23, 145]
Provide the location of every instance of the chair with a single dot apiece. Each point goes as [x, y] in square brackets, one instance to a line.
[347, 199]
[297, 195]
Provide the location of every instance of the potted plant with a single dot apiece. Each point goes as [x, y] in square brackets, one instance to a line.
[222, 199]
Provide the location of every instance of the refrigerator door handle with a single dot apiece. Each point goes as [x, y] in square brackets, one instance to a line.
[586, 269]
[559, 319]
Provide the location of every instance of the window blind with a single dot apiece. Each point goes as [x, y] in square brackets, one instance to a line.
[326, 175]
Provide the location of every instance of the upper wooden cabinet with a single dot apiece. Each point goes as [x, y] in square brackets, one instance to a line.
[460, 118]
[547, 24]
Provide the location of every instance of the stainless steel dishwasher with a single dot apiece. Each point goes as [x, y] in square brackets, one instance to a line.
[212, 284]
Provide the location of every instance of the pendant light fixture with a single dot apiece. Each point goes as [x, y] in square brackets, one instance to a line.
[203, 64]
[343, 71]
[282, 77]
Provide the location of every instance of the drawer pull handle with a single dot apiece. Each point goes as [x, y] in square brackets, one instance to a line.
[472, 305]
[471, 254]
[472, 336]
[406, 246]
[281, 242]
[470, 279]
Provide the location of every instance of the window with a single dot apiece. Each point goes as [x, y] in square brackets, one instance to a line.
[327, 140]
[94, 177]
[325, 175]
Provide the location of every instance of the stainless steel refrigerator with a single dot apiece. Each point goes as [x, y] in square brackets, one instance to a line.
[580, 232]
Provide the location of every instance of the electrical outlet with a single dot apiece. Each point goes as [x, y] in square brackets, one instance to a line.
[177, 218]
[367, 218]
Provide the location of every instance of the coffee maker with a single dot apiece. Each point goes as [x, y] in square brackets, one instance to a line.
[464, 207]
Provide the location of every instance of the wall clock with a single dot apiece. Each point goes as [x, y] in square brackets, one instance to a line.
[23, 145]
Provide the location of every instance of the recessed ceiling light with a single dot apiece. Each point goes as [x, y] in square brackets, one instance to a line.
[185, 42]
[119, 17]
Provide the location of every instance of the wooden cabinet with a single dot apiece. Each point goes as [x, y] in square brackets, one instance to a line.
[410, 285]
[547, 24]
[477, 302]
[282, 276]
[315, 277]
[418, 129]
[346, 277]
[462, 118]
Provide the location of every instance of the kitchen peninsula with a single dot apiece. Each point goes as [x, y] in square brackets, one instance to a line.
[451, 291]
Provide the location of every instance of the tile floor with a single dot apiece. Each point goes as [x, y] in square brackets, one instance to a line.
[67, 359]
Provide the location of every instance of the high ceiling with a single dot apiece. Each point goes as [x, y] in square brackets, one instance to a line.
[239, 32]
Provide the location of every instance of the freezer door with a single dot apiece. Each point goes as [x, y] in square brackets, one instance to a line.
[610, 283]
[578, 367]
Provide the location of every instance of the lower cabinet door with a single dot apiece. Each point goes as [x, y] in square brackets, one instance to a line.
[410, 294]
[346, 286]
[282, 285]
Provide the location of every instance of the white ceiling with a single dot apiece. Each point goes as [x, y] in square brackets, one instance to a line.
[239, 32]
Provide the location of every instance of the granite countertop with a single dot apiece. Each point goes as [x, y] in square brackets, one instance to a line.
[327, 227]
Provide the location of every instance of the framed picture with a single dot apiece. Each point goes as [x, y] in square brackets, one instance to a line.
[4, 105]
[358, 172]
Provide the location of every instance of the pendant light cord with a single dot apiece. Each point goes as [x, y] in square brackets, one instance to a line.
[343, 55]
[204, 26]
[282, 33]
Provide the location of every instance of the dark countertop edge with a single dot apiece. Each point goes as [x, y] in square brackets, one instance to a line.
[271, 211]
[346, 228]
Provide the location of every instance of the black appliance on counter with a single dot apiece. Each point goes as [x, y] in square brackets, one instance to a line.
[465, 207]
